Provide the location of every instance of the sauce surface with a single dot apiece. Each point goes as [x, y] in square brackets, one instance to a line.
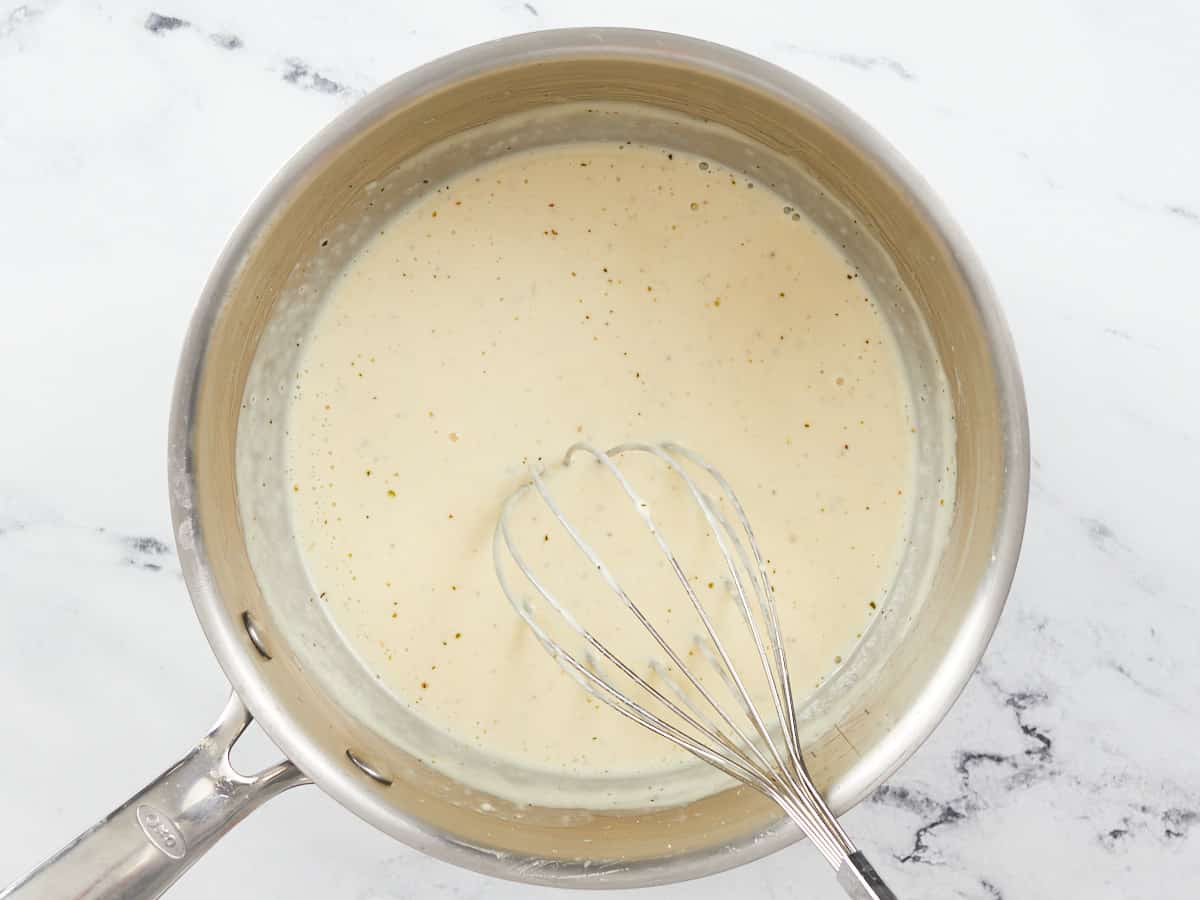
[602, 292]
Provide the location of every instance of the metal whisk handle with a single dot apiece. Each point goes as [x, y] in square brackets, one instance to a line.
[860, 881]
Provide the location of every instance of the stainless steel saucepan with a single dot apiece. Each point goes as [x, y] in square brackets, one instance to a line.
[289, 667]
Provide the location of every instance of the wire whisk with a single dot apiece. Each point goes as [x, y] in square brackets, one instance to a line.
[722, 725]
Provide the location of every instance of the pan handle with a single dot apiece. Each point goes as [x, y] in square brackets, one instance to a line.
[138, 851]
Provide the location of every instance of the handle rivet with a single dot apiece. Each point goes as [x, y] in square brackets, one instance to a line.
[255, 637]
[367, 769]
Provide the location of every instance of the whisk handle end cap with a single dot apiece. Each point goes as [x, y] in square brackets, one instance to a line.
[860, 881]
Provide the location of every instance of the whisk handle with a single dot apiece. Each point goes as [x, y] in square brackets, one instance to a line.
[860, 881]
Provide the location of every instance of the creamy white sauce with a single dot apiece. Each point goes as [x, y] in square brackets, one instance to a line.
[604, 292]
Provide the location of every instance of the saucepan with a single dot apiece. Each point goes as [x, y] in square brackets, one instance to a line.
[287, 663]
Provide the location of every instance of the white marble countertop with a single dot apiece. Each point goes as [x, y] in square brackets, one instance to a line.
[1063, 137]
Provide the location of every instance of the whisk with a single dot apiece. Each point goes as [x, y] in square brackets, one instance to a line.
[760, 749]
